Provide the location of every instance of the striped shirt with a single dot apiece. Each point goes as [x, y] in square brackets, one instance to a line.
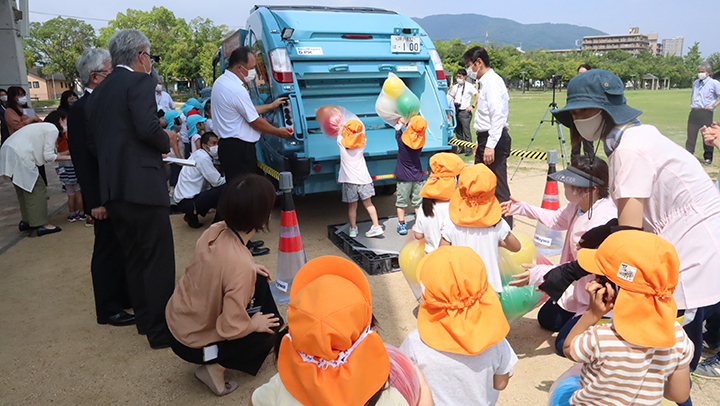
[619, 373]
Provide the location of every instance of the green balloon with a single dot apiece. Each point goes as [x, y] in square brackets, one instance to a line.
[408, 105]
[516, 301]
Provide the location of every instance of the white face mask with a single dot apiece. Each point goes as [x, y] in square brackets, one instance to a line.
[472, 74]
[158, 88]
[213, 151]
[461, 81]
[250, 75]
[702, 75]
[590, 128]
[22, 100]
[3, 98]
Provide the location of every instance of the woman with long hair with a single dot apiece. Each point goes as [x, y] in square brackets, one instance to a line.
[14, 115]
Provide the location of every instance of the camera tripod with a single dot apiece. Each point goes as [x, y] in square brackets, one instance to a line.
[561, 137]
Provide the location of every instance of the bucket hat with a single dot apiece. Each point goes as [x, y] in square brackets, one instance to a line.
[597, 89]
[330, 355]
[414, 135]
[353, 135]
[444, 167]
[645, 267]
[192, 123]
[170, 117]
[474, 203]
[460, 312]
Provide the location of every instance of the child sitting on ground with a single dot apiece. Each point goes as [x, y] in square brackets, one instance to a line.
[408, 171]
[355, 177]
[436, 194]
[643, 354]
[476, 220]
[460, 344]
[196, 128]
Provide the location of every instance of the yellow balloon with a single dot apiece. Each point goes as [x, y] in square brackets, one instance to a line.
[410, 256]
[511, 262]
[394, 87]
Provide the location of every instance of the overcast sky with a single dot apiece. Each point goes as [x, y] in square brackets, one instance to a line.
[665, 17]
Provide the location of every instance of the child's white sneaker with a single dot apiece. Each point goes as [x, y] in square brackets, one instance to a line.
[375, 232]
[353, 232]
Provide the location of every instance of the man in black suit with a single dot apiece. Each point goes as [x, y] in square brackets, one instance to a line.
[130, 142]
[108, 262]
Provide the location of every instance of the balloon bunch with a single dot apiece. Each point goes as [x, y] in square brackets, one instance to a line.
[517, 301]
[396, 101]
[332, 119]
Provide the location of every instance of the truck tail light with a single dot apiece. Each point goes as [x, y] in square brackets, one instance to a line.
[280, 65]
[439, 71]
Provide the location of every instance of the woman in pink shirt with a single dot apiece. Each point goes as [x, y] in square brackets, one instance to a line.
[586, 190]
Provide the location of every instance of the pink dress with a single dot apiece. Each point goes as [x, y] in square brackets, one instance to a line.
[570, 218]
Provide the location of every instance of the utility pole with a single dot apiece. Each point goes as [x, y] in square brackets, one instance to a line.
[632, 80]
[523, 82]
[13, 24]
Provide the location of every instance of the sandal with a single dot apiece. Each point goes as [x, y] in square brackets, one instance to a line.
[203, 375]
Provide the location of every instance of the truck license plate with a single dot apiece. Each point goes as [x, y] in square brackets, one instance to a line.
[404, 44]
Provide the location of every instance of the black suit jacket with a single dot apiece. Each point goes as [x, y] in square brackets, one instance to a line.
[85, 161]
[125, 131]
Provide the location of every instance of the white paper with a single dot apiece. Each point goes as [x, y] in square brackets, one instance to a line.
[210, 353]
[309, 50]
[29, 112]
[184, 162]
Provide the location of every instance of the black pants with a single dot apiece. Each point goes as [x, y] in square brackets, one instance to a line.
[146, 237]
[696, 120]
[463, 129]
[203, 202]
[237, 157]
[499, 165]
[587, 147]
[108, 271]
[245, 354]
[174, 174]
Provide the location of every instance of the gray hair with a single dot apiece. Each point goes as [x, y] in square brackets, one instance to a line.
[92, 60]
[706, 65]
[160, 79]
[125, 46]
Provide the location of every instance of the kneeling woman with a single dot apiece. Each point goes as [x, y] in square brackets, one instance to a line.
[222, 314]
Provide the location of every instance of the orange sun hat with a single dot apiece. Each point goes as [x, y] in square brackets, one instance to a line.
[460, 312]
[330, 355]
[353, 135]
[645, 267]
[474, 203]
[444, 167]
[414, 135]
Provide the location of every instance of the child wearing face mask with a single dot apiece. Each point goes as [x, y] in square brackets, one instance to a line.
[199, 187]
[196, 128]
[586, 189]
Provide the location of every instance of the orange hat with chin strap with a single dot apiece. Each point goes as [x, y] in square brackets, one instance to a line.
[460, 312]
[645, 267]
[331, 356]
[441, 183]
[474, 203]
[414, 134]
[353, 135]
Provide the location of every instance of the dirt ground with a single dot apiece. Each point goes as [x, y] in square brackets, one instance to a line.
[53, 352]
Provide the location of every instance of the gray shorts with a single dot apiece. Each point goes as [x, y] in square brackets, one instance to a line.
[352, 193]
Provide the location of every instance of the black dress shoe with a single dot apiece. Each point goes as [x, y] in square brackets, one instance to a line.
[121, 319]
[256, 252]
[41, 231]
[255, 244]
[24, 226]
[192, 220]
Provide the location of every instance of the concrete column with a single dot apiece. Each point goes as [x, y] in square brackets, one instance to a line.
[12, 64]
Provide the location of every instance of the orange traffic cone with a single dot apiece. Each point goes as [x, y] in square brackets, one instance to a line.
[548, 241]
[291, 253]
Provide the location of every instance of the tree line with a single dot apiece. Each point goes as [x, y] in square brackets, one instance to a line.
[509, 62]
[186, 48]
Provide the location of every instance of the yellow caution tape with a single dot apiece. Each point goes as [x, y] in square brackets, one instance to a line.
[514, 152]
[270, 171]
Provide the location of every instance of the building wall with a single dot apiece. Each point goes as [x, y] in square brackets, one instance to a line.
[38, 87]
[60, 87]
[633, 43]
[673, 46]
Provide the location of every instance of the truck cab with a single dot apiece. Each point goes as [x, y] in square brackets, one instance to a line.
[320, 56]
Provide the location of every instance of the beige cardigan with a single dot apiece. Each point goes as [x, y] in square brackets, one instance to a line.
[210, 301]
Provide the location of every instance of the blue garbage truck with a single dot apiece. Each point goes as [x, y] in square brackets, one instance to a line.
[320, 56]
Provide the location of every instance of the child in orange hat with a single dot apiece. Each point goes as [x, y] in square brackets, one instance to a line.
[354, 176]
[331, 355]
[643, 354]
[476, 220]
[408, 171]
[436, 194]
[460, 344]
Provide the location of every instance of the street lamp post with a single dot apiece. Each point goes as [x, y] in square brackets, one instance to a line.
[632, 79]
[523, 82]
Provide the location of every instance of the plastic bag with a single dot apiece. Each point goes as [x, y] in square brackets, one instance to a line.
[563, 388]
[332, 119]
[410, 256]
[517, 301]
[396, 101]
[403, 375]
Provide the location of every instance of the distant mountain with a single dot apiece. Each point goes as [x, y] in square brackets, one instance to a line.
[473, 28]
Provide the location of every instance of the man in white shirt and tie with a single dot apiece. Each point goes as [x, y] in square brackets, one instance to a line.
[162, 98]
[463, 94]
[705, 99]
[493, 138]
